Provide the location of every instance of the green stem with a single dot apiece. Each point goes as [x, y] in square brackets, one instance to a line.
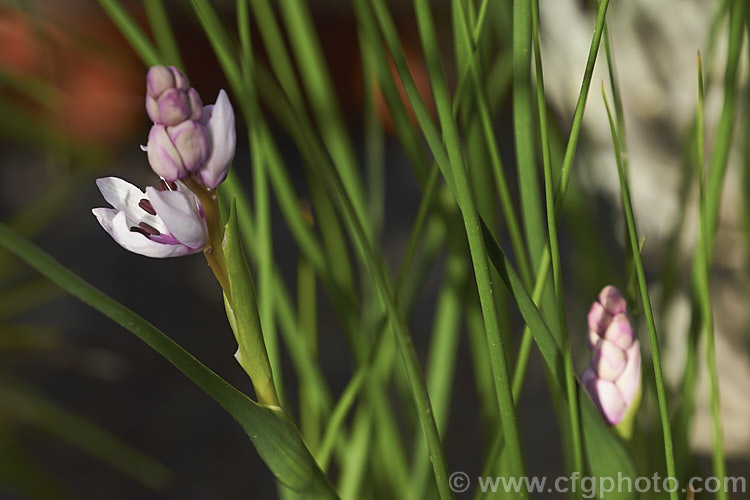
[213, 251]
[473, 229]
[570, 384]
[704, 292]
[566, 170]
[646, 301]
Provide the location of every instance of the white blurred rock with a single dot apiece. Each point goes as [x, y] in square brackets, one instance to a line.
[655, 45]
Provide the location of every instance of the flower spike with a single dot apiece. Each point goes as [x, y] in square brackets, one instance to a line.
[187, 137]
[169, 98]
[614, 376]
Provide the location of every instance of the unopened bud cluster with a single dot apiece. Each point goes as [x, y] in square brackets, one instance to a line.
[614, 375]
[187, 138]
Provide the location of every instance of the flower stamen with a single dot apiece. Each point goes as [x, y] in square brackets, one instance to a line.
[136, 229]
[147, 206]
[165, 185]
[150, 230]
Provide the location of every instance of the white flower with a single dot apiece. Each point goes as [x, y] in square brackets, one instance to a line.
[166, 221]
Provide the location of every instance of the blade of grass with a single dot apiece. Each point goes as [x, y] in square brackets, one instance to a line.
[566, 170]
[528, 180]
[321, 95]
[575, 131]
[703, 289]
[570, 386]
[275, 46]
[514, 229]
[133, 33]
[161, 28]
[263, 234]
[398, 325]
[353, 467]
[442, 353]
[646, 302]
[466, 203]
[719, 158]
[310, 408]
[264, 237]
[338, 415]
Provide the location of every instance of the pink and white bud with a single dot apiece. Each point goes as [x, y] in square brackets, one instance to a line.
[630, 378]
[614, 376]
[608, 360]
[620, 331]
[169, 98]
[598, 319]
[607, 397]
[611, 304]
[219, 122]
[613, 300]
[173, 152]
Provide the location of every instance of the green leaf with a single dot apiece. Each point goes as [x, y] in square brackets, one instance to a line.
[275, 437]
[242, 312]
[549, 348]
[645, 301]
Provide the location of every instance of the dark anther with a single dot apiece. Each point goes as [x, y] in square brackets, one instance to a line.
[136, 229]
[146, 206]
[165, 185]
[150, 230]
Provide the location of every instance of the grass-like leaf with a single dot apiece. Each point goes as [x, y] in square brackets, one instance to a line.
[645, 300]
[703, 290]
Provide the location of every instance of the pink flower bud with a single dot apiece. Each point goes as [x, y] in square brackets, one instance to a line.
[613, 300]
[173, 152]
[218, 120]
[630, 378]
[598, 318]
[608, 360]
[620, 331]
[609, 399]
[593, 339]
[169, 98]
[614, 376]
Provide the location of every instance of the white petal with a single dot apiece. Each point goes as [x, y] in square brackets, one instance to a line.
[182, 188]
[125, 197]
[613, 300]
[138, 243]
[105, 216]
[223, 138]
[610, 400]
[119, 193]
[630, 378]
[598, 318]
[608, 360]
[620, 331]
[180, 215]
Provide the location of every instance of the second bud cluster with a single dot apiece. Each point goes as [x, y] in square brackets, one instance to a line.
[187, 138]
